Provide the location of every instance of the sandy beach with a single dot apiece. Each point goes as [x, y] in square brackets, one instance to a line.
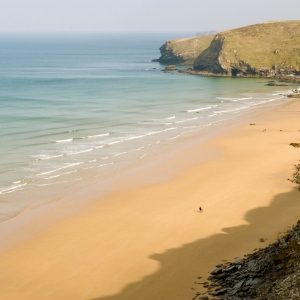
[150, 241]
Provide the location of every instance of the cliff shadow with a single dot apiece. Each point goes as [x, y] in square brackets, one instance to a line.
[189, 262]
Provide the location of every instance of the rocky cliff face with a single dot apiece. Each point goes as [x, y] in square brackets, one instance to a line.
[183, 51]
[270, 273]
[266, 50]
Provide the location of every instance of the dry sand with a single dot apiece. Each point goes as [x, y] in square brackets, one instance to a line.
[151, 242]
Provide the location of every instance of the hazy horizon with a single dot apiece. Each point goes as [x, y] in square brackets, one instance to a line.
[132, 16]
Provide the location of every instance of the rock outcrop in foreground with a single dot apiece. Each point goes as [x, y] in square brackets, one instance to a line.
[265, 50]
[184, 51]
[268, 274]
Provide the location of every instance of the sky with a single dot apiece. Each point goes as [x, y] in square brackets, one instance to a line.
[140, 15]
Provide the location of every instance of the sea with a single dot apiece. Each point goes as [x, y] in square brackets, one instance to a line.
[81, 106]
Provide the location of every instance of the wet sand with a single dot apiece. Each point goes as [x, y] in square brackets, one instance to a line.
[151, 241]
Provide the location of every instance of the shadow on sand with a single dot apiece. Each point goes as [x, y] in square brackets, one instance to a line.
[190, 261]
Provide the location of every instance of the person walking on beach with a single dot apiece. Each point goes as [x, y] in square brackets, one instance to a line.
[200, 208]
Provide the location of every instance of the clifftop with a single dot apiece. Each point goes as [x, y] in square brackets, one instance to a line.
[265, 49]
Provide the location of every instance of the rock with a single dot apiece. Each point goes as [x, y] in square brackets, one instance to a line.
[239, 262]
[220, 276]
[170, 68]
[220, 292]
[219, 265]
[204, 297]
[239, 284]
[249, 282]
[232, 292]
[296, 145]
[261, 240]
[216, 271]
[230, 269]
[256, 281]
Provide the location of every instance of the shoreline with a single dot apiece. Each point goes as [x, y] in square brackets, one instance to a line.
[134, 245]
[282, 78]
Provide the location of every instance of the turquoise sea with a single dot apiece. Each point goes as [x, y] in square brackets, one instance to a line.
[78, 106]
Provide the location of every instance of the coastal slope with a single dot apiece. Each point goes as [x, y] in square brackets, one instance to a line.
[185, 50]
[266, 50]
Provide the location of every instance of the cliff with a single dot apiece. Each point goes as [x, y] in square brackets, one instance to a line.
[184, 51]
[267, 49]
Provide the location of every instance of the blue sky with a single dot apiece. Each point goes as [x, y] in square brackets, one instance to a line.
[140, 15]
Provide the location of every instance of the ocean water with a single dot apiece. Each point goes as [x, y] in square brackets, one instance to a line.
[75, 107]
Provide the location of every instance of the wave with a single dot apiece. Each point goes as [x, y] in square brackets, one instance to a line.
[83, 151]
[48, 157]
[234, 99]
[138, 149]
[95, 136]
[64, 141]
[186, 120]
[66, 181]
[198, 109]
[12, 188]
[140, 136]
[189, 127]
[68, 166]
[170, 118]
[175, 137]
[55, 176]
[121, 153]
[100, 166]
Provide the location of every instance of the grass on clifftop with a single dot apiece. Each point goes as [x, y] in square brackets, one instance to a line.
[190, 48]
[265, 45]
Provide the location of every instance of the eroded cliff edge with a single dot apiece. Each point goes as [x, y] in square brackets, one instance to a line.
[185, 50]
[266, 50]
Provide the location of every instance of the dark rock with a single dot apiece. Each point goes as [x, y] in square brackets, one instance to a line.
[249, 282]
[230, 269]
[220, 292]
[239, 262]
[170, 68]
[232, 292]
[216, 271]
[239, 284]
[220, 276]
[256, 281]
[296, 145]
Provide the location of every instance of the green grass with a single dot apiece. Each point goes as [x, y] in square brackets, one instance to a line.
[264, 45]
